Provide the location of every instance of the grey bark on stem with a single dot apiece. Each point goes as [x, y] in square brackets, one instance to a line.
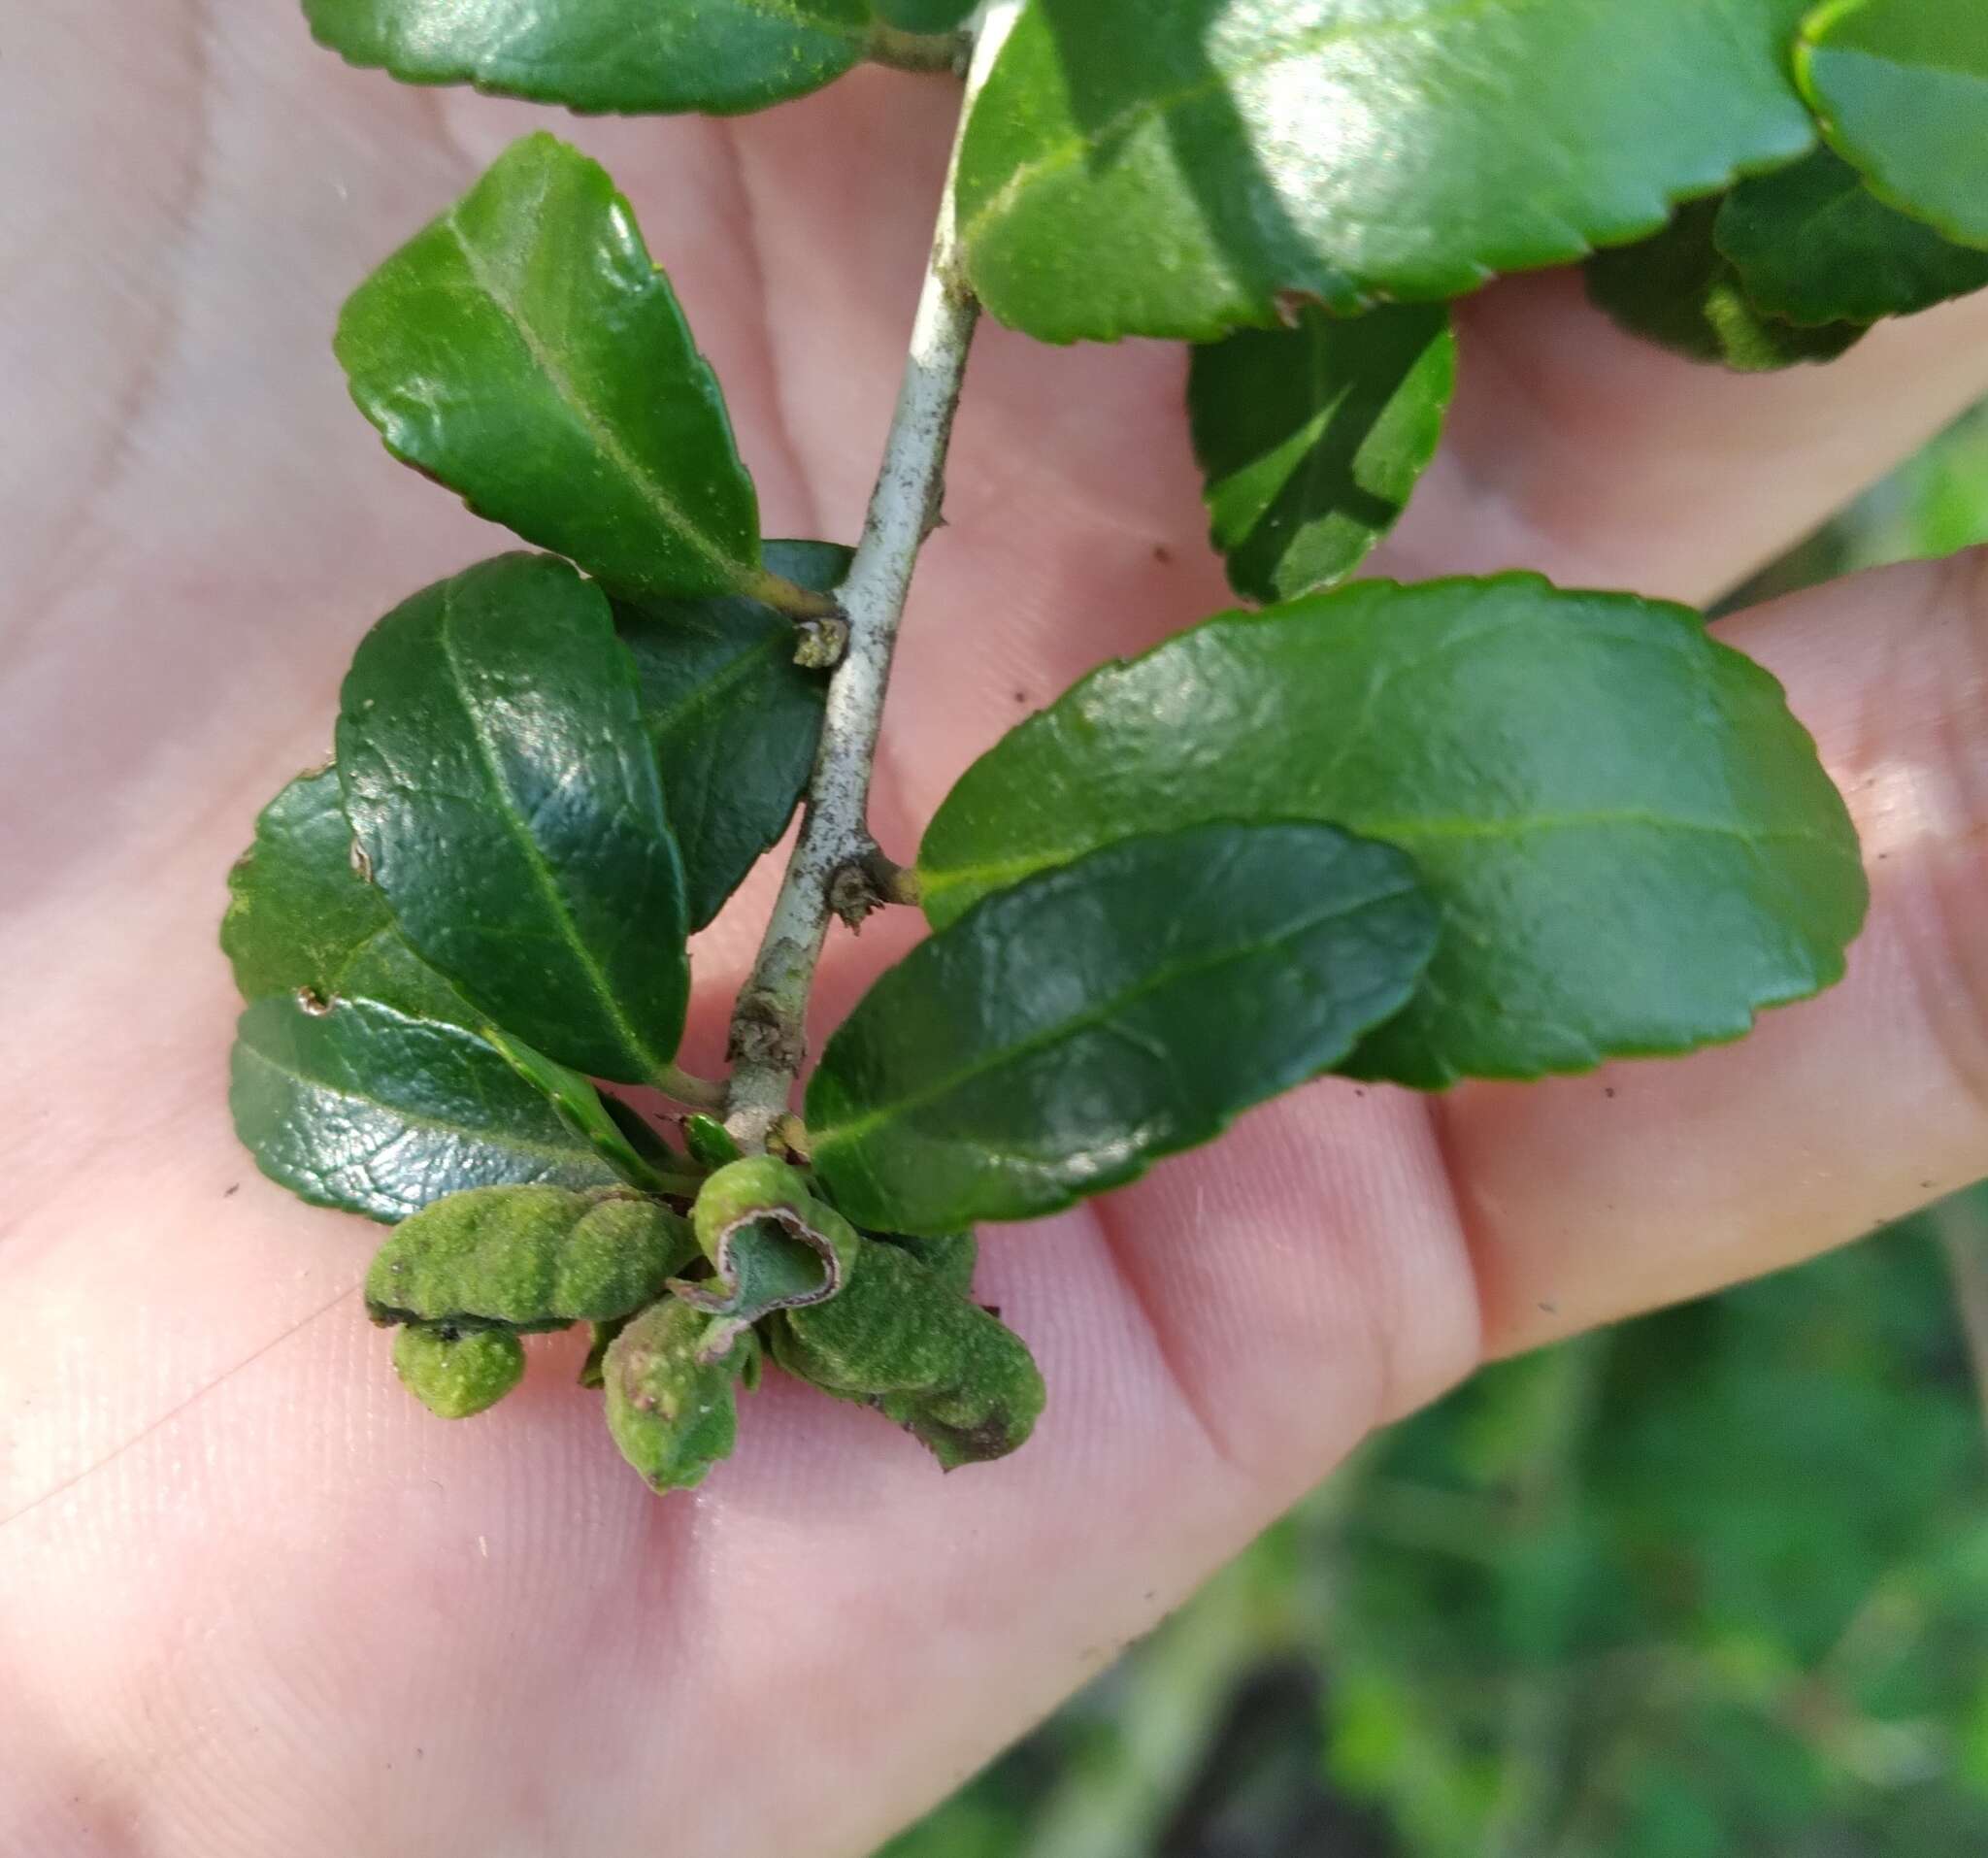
[769, 1023]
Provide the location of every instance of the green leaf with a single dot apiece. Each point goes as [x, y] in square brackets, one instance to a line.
[772, 1245]
[524, 351]
[734, 718]
[671, 1407]
[1901, 89]
[527, 1257]
[1633, 841]
[1679, 290]
[950, 1256]
[925, 15]
[898, 1339]
[634, 55]
[297, 907]
[1179, 170]
[1813, 245]
[1066, 1032]
[379, 1112]
[458, 1374]
[499, 778]
[624, 1141]
[710, 1142]
[1310, 439]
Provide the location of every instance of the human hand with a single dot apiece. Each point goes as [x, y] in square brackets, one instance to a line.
[254, 1600]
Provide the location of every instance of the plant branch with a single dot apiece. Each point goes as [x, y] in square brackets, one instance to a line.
[769, 1025]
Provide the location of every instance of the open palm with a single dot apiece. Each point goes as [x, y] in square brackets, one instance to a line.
[252, 1598]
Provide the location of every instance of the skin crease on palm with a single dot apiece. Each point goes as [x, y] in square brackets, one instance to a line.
[252, 1598]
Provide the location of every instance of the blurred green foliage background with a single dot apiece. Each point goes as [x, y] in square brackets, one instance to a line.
[1713, 1582]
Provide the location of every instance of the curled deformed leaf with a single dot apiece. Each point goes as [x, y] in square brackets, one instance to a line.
[950, 1256]
[670, 1403]
[899, 1339]
[772, 1245]
[530, 1257]
[456, 1373]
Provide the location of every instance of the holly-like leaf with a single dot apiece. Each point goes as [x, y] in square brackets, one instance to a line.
[1311, 437]
[1178, 170]
[499, 778]
[1066, 1032]
[1633, 841]
[899, 1340]
[525, 352]
[635, 55]
[528, 1257]
[1901, 89]
[1679, 290]
[1811, 243]
[377, 1112]
[734, 718]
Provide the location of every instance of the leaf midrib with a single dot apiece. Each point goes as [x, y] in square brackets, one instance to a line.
[534, 859]
[602, 432]
[998, 874]
[1098, 1017]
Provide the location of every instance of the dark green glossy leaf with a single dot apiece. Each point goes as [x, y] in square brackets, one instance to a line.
[298, 908]
[1633, 841]
[710, 1142]
[670, 1405]
[1310, 439]
[624, 1141]
[1901, 89]
[524, 350]
[633, 55]
[734, 718]
[381, 1113]
[1066, 1032]
[898, 1339]
[528, 1257]
[500, 780]
[1813, 245]
[1679, 290]
[458, 1374]
[1177, 170]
